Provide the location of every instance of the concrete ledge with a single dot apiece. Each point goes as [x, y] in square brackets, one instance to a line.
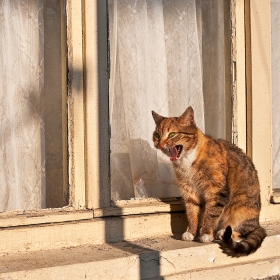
[95, 231]
[252, 270]
[149, 258]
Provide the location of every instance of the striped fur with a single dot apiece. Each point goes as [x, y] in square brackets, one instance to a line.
[219, 183]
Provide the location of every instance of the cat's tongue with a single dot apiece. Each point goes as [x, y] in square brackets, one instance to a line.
[173, 153]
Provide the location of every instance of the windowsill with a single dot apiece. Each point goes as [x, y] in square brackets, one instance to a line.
[269, 212]
[157, 258]
[68, 214]
[59, 228]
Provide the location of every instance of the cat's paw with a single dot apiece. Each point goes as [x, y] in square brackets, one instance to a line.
[187, 236]
[219, 235]
[206, 238]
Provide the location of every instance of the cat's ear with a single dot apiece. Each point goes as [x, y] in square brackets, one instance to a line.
[187, 118]
[157, 118]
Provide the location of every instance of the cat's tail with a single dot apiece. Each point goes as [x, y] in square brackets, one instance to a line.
[246, 246]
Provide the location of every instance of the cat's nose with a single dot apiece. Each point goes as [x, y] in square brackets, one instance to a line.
[162, 145]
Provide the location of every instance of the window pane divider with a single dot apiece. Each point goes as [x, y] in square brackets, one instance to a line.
[76, 119]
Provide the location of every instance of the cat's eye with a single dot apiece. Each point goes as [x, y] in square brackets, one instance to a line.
[157, 135]
[171, 134]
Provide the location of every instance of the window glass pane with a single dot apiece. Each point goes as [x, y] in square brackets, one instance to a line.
[164, 55]
[275, 43]
[32, 104]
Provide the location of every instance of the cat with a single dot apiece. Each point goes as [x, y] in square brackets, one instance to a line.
[219, 185]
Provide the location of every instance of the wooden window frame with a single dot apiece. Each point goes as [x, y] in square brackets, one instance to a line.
[251, 92]
[76, 131]
[254, 91]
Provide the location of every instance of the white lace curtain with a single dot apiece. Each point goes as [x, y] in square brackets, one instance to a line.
[156, 64]
[21, 159]
[26, 85]
[275, 26]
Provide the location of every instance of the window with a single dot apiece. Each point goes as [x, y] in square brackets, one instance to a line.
[33, 154]
[161, 59]
[85, 113]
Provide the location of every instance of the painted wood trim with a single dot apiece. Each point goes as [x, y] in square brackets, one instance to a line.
[260, 22]
[248, 76]
[64, 103]
[60, 215]
[239, 83]
[96, 104]
[138, 208]
[76, 104]
[36, 217]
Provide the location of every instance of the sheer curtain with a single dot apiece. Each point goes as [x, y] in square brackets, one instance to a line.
[214, 19]
[143, 62]
[26, 88]
[275, 27]
[21, 83]
[156, 64]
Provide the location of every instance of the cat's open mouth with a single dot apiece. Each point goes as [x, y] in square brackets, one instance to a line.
[175, 152]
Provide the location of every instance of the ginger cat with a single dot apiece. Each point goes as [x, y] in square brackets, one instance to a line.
[219, 184]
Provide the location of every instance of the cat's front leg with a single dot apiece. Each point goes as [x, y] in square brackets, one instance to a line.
[192, 213]
[206, 237]
[211, 215]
